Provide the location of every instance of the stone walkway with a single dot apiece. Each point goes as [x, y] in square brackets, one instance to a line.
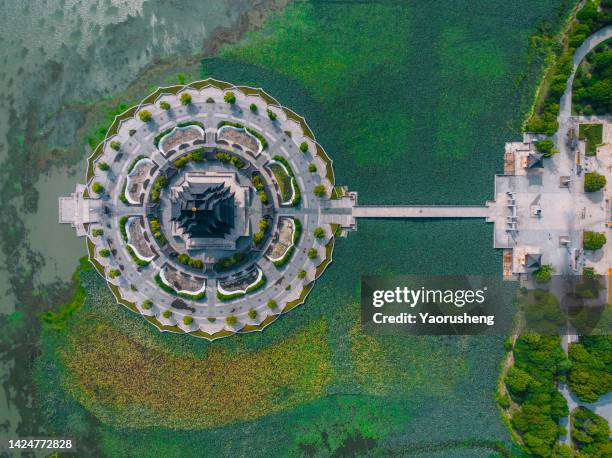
[138, 284]
[424, 211]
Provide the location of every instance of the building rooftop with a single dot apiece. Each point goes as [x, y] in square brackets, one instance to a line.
[203, 210]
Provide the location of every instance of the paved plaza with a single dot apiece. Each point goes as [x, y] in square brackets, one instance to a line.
[217, 302]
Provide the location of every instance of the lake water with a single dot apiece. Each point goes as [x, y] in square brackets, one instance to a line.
[55, 56]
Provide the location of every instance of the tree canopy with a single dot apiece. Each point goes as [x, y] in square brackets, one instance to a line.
[590, 375]
[593, 181]
[590, 433]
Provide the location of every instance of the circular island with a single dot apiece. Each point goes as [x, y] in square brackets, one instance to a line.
[205, 209]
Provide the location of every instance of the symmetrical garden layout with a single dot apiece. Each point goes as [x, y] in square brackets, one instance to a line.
[211, 209]
[207, 209]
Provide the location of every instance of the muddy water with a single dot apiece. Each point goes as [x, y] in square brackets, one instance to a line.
[60, 52]
[57, 57]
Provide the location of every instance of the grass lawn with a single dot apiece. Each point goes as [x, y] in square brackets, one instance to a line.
[593, 134]
[283, 180]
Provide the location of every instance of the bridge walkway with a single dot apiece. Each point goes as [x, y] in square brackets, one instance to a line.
[421, 211]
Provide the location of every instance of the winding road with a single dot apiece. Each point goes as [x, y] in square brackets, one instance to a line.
[602, 407]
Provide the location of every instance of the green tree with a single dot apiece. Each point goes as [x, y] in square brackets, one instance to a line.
[301, 274]
[313, 253]
[147, 304]
[166, 313]
[319, 232]
[97, 188]
[164, 105]
[517, 381]
[252, 314]
[253, 108]
[319, 190]
[114, 273]
[103, 166]
[104, 252]
[543, 273]
[593, 240]
[230, 97]
[547, 147]
[590, 433]
[312, 168]
[97, 232]
[185, 98]
[589, 375]
[272, 304]
[116, 145]
[187, 320]
[271, 115]
[231, 320]
[593, 181]
[258, 237]
[303, 147]
[145, 115]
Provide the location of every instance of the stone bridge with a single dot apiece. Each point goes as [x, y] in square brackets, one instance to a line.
[420, 211]
[345, 211]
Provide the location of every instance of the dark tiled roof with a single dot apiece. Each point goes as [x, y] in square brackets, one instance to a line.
[204, 210]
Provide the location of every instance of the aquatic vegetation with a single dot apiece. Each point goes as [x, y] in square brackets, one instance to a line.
[419, 96]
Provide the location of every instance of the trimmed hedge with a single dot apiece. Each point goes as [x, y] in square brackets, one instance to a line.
[161, 135]
[122, 196]
[171, 290]
[296, 238]
[160, 183]
[195, 156]
[298, 194]
[250, 289]
[187, 260]
[163, 286]
[135, 161]
[235, 160]
[135, 258]
[193, 297]
[157, 231]
[191, 123]
[228, 262]
[122, 222]
[286, 257]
